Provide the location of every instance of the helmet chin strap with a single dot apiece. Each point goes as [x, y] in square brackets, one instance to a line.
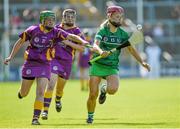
[48, 28]
[69, 24]
[115, 24]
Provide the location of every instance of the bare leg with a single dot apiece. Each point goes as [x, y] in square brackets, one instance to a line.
[25, 87]
[40, 89]
[112, 84]
[60, 86]
[82, 78]
[111, 87]
[93, 94]
[52, 82]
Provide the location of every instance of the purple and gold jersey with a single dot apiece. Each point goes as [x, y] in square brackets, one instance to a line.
[38, 52]
[62, 51]
[40, 42]
[62, 62]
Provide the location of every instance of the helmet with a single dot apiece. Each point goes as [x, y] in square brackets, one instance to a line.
[69, 11]
[115, 21]
[69, 17]
[112, 9]
[45, 14]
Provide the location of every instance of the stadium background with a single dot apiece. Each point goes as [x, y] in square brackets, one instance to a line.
[153, 14]
[139, 103]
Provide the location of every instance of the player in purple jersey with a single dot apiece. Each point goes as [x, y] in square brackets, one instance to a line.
[84, 57]
[38, 56]
[62, 62]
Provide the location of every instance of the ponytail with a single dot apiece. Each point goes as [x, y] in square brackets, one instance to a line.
[105, 23]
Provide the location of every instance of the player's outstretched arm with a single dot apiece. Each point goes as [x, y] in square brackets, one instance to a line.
[73, 45]
[16, 47]
[77, 39]
[136, 55]
[98, 50]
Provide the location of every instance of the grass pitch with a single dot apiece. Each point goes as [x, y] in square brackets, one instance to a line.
[139, 103]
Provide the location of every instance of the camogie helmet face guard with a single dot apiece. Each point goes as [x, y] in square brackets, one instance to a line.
[69, 17]
[115, 9]
[47, 14]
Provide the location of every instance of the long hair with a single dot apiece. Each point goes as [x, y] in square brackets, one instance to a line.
[105, 23]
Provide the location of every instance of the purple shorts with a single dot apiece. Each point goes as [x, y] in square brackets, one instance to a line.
[83, 64]
[34, 69]
[61, 67]
[83, 61]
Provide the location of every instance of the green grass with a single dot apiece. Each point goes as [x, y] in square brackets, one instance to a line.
[139, 103]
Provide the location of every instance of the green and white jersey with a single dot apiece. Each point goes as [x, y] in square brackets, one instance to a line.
[108, 41]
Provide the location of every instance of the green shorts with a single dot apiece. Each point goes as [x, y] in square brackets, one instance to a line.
[102, 70]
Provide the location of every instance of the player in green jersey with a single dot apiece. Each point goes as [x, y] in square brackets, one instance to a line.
[109, 36]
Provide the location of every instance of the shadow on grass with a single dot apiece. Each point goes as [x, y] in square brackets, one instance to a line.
[131, 124]
[85, 119]
[108, 124]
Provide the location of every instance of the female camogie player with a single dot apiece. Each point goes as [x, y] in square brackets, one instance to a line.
[62, 62]
[109, 36]
[37, 57]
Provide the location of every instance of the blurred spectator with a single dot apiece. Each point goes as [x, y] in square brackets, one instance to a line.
[176, 12]
[84, 57]
[143, 72]
[147, 29]
[111, 3]
[15, 21]
[153, 52]
[58, 12]
[158, 30]
[35, 14]
[28, 15]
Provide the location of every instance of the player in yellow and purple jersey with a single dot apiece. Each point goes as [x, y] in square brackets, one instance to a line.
[38, 56]
[62, 62]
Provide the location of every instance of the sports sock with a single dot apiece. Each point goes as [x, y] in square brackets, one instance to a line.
[37, 109]
[47, 100]
[90, 115]
[58, 98]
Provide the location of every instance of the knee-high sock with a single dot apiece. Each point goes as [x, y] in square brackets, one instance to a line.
[37, 109]
[47, 100]
[58, 97]
[59, 93]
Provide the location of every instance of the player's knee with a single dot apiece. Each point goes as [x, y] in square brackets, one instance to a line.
[40, 93]
[50, 87]
[23, 93]
[112, 90]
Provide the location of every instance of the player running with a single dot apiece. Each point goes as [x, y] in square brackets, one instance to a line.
[62, 62]
[109, 36]
[84, 57]
[38, 56]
